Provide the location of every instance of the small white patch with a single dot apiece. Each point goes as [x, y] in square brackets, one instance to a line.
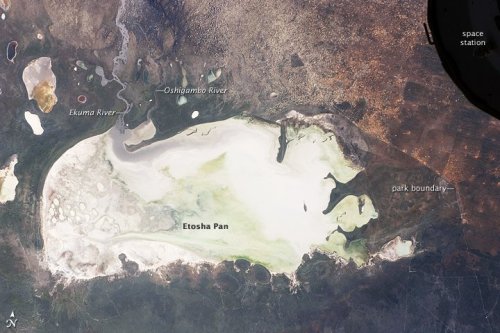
[34, 121]
[214, 76]
[182, 100]
[3, 16]
[397, 249]
[195, 114]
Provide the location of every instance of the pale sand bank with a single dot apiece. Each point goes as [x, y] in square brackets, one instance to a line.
[8, 181]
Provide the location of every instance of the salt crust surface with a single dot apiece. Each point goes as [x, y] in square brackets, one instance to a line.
[100, 199]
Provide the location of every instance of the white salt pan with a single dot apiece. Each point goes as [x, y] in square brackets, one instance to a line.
[224, 172]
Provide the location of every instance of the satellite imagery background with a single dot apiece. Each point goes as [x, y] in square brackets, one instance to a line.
[249, 166]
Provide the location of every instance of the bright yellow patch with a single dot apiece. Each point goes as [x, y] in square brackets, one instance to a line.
[45, 97]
